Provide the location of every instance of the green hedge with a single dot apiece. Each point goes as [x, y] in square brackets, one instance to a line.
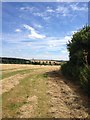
[78, 67]
[76, 73]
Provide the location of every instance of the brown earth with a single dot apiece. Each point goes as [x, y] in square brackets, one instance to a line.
[67, 99]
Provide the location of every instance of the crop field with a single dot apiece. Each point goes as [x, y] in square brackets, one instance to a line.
[34, 91]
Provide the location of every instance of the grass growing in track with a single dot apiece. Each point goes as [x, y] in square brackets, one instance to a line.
[12, 73]
[33, 85]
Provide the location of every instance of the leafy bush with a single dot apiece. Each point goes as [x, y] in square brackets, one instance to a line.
[84, 78]
[78, 67]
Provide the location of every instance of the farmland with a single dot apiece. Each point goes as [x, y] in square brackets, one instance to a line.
[38, 91]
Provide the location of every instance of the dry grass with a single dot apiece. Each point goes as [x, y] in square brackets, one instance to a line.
[41, 93]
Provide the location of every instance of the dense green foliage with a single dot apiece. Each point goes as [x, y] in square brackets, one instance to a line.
[78, 66]
[14, 61]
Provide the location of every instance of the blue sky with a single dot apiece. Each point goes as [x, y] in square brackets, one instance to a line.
[40, 30]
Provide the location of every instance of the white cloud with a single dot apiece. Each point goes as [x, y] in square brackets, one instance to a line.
[75, 7]
[39, 14]
[50, 10]
[64, 51]
[26, 8]
[46, 15]
[48, 44]
[72, 32]
[67, 38]
[33, 34]
[22, 8]
[46, 18]
[28, 27]
[18, 30]
[59, 41]
[37, 25]
[61, 9]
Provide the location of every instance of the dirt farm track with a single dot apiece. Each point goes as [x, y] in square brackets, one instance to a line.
[33, 91]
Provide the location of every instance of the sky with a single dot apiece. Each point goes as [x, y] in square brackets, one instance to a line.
[40, 30]
[45, 0]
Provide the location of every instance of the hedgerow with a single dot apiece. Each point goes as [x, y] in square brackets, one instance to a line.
[78, 66]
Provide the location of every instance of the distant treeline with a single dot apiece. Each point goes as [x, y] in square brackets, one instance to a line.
[5, 60]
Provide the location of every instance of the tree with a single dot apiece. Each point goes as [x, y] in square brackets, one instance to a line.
[78, 66]
[79, 51]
